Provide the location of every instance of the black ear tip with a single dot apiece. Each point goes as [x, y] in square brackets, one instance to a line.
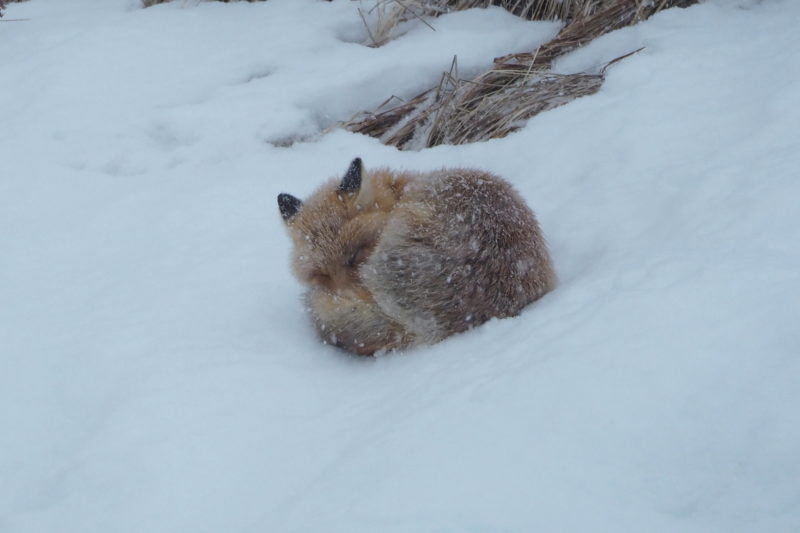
[288, 205]
[352, 178]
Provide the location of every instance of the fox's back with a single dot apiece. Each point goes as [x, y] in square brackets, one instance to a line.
[459, 247]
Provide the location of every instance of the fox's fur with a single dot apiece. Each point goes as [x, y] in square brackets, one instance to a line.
[396, 259]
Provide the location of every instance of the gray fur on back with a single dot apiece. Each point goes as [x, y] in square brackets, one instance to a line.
[460, 248]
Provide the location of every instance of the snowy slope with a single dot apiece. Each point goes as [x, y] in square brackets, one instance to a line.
[158, 372]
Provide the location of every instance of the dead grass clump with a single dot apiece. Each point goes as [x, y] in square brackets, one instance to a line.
[461, 111]
[516, 88]
[389, 14]
[506, 110]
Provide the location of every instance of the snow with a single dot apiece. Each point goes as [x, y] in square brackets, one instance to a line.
[159, 372]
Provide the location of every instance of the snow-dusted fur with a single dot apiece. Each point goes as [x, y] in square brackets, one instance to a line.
[396, 259]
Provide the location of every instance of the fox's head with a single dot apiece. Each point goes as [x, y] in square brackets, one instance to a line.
[335, 230]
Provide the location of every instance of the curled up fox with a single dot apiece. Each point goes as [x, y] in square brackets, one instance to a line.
[398, 259]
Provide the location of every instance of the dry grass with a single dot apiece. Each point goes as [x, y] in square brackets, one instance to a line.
[391, 13]
[460, 111]
[517, 87]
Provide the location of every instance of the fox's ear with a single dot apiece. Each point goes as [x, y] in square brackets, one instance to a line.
[351, 182]
[289, 206]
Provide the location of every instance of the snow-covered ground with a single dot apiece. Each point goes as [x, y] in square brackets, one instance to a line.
[157, 370]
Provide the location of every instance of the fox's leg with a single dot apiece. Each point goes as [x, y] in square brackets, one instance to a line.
[354, 323]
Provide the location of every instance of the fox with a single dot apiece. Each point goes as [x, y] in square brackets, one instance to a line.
[392, 260]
